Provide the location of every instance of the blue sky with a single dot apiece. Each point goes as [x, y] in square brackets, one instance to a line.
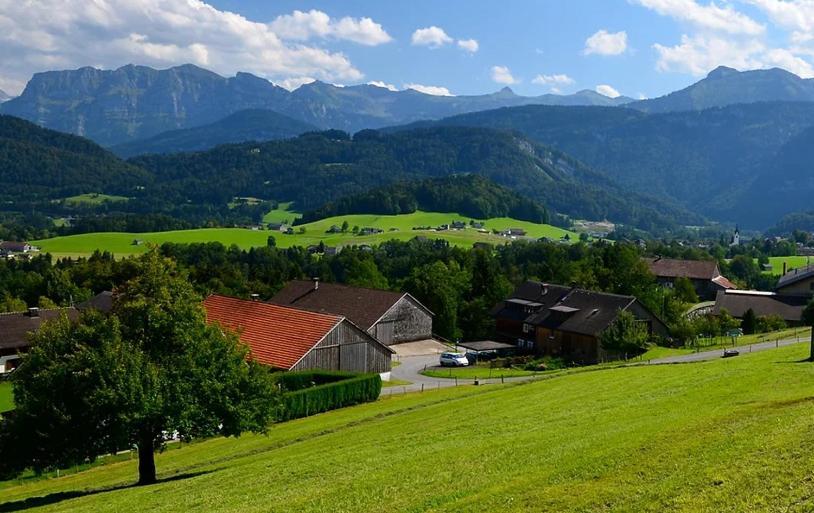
[640, 48]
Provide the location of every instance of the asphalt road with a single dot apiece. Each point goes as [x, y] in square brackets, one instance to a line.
[411, 367]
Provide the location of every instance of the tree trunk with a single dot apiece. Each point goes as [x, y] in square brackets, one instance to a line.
[811, 357]
[146, 461]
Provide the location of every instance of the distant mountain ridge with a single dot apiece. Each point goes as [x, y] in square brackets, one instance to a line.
[726, 86]
[138, 102]
[4, 96]
[245, 125]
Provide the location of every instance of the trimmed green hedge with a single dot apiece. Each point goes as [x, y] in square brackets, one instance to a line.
[333, 390]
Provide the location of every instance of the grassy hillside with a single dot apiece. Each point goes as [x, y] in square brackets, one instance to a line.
[121, 244]
[725, 436]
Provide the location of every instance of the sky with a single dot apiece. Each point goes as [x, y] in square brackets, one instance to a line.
[638, 48]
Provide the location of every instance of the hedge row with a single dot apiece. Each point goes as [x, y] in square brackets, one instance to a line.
[298, 380]
[359, 388]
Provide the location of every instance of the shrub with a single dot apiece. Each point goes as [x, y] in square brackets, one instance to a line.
[337, 390]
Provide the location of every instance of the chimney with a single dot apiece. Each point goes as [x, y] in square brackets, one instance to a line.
[255, 297]
[34, 312]
[316, 283]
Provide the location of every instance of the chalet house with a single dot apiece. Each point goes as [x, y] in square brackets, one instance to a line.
[334, 229]
[763, 304]
[566, 322]
[704, 275]
[15, 328]
[370, 231]
[10, 246]
[458, 225]
[514, 232]
[391, 317]
[797, 282]
[288, 338]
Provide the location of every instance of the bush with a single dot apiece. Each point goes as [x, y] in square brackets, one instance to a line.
[317, 392]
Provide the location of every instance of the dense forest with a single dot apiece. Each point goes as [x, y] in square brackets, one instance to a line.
[310, 170]
[468, 195]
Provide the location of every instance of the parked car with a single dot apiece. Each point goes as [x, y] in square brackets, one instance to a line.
[480, 356]
[453, 360]
[729, 353]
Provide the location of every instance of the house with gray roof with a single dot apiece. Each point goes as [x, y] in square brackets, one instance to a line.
[566, 322]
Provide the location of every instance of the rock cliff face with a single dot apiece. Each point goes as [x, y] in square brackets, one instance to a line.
[137, 102]
[134, 102]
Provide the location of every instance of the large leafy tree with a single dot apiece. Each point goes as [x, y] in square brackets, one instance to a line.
[150, 371]
[625, 336]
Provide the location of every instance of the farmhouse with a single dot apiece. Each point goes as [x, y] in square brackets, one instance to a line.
[10, 246]
[566, 322]
[797, 282]
[703, 274]
[15, 328]
[288, 338]
[391, 317]
[763, 304]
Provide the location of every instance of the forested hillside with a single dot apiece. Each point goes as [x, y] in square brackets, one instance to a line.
[468, 195]
[316, 168]
[242, 126]
[706, 161]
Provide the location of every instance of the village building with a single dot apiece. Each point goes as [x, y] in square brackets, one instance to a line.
[10, 246]
[704, 275]
[286, 338]
[763, 304]
[15, 328]
[797, 282]
[391, 317]
[566, 322]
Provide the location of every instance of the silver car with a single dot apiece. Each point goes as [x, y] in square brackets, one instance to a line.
[453, 360]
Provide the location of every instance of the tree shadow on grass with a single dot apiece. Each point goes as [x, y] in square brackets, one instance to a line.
[53, 498]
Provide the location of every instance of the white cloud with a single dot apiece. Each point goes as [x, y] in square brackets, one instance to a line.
[502, 75]
[608, 91]
[302, 26]
[606, 43]
[709, 17]
[785, 59]
[294, 82]
[426, 89]
[379, 83]
[59, 34]
[433, 37]
[470, 45]
[553, 80]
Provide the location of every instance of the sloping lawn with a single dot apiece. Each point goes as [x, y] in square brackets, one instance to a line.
[729, 435]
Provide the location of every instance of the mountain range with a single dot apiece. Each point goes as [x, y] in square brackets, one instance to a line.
[242, 126]
[4, 96]
[138, 102]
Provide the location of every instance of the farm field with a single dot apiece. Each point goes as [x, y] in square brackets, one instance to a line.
[93, 199]
[121, 244]
[281, 214]
[725, 436]
[792, 262]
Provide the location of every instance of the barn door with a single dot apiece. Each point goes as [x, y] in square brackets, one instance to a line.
[385, 332]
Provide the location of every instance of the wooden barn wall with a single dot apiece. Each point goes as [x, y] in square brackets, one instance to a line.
[347, 348]
[405, 322]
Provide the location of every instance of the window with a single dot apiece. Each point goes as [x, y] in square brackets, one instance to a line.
[527, 328]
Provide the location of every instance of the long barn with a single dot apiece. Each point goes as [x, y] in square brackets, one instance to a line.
[289, 338]
[391, 317]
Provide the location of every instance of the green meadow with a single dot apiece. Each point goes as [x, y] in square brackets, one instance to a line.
[730, 435]
[792, 262]
[93, 199]
[395, 227]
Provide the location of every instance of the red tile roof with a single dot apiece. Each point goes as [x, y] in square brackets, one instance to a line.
[277, 336]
